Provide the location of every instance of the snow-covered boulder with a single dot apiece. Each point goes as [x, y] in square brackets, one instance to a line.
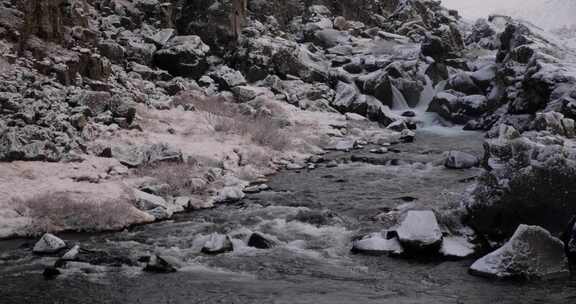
[377, 243]
[460, 160]
[230, 194]
[49, 243]
[532, 252]
[419, 231]
[456, 247]
[72, 253]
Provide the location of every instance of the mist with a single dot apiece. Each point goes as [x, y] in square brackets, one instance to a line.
[548, 14]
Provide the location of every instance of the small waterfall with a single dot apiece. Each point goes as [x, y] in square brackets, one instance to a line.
[398, 101]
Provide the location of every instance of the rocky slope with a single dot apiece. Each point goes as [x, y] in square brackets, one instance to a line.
[152, 107]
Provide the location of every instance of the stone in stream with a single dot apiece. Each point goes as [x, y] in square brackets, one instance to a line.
[460, 160]
[72, 253]
[217, 244]
[259, 241]
[49, 243]
[50, 273]
[419, 232]
[376, 243]
[158, 264]
[379, 151]
[229, 194]
[532, 252]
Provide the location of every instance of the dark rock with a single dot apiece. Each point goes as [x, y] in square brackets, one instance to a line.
[157, 264]
[50, 273]
[257, 240]
[183, 56]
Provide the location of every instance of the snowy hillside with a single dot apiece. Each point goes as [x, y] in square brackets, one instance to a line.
[549, 14]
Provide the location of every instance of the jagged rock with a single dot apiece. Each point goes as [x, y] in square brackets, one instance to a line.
[49, 243]
[555, 123]
[377, 243]
[217, 244]
[158, 264]
[259, 241]
[419, 231]
[227, 78]
[532, 252]
[183, 56]
[462, 82]
[460, 160]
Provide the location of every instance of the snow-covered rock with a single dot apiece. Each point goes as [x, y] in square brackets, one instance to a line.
[230, 194]
[419, 231]
[49, 243]
[72, 253]
[456, 247]
[532, 252]
[377, 243]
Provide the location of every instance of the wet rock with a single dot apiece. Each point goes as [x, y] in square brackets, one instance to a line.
[532, 252]
[460, 160]
[72, 253]
[49, 243]
[50, 273]
[407, 136]
[157, 264]
[419, 232]
[377, 243]
[259, 241]
[217, 244]
[458, 108]
[183, 56]
[456, 247]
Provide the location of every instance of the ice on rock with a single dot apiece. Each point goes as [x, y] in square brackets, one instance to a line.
[456, 247]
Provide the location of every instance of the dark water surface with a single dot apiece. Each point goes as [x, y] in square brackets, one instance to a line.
[313, 215]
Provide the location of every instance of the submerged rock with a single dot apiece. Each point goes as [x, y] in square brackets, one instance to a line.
[51, 273]
[419, 231]
[217, 244]
[49, 243]
[532, 252]
[460, 160]
[158, 264]
[259, 241]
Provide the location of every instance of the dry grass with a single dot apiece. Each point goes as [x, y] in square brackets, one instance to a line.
[227, 117]
[59, 211]
[183, 179]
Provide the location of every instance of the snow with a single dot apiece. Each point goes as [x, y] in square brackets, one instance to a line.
[456, 247]
[420, 228]
[548, 14]
[376, 243]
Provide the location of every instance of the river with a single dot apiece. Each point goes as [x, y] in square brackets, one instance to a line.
[313, 216]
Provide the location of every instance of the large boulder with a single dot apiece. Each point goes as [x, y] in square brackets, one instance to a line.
[49, 243]
[532, 252]
[419, 231]
[183, 56]
[457, 107]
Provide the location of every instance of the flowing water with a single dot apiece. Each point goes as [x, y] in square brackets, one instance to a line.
[313, 216]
